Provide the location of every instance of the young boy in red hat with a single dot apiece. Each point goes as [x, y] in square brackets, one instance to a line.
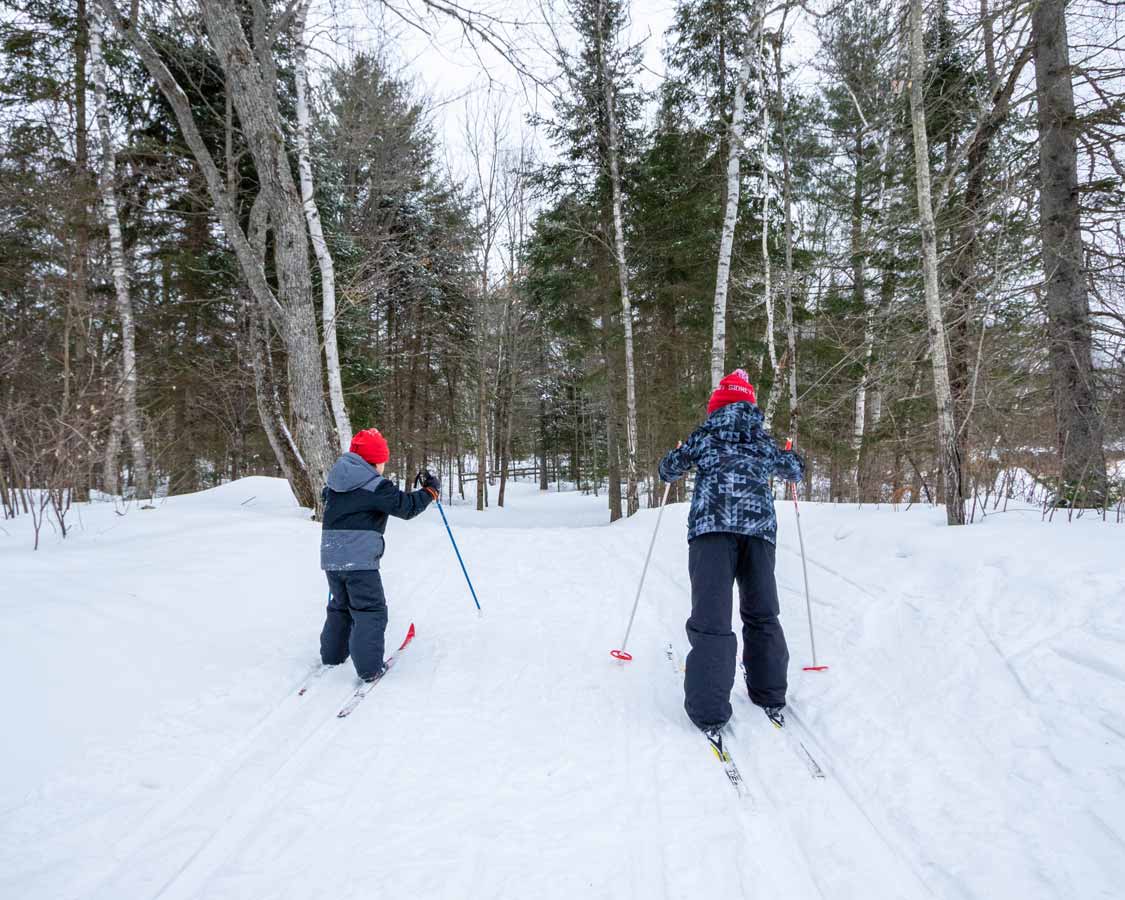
[357, 502]
[732, 530]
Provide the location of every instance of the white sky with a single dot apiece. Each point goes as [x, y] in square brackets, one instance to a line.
[453, 74]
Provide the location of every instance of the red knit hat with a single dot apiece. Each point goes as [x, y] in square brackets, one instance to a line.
[735, 388]
[371, 445]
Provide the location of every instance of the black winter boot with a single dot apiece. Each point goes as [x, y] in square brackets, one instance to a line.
[775, 715]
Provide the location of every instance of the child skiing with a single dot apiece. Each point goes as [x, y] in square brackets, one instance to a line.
[731, 533]
[357, 502]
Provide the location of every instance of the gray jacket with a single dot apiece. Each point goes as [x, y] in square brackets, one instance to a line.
[357, 503]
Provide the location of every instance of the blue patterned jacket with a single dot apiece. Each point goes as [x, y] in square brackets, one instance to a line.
[735, 459]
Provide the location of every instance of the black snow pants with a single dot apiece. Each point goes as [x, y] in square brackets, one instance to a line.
[716, 561]
[356, 621]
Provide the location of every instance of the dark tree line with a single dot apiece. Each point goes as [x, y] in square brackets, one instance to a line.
[564, 317]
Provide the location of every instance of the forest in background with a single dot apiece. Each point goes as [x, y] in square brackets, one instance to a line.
[221, 253]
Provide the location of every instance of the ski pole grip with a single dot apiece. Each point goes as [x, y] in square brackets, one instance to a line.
[789, 444]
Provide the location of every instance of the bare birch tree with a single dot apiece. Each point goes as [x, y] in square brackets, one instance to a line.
[129, 374]
[316, 233]
[735, 148]
[947, 431]
[787, 201]
[764, 186]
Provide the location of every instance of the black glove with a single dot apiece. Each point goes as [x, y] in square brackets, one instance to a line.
[431, 483]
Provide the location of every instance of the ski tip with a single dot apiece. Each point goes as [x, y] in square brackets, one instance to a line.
[410, 632]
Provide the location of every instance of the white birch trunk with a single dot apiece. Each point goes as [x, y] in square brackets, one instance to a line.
[129, 375]
[767, 286]
[320, 246]
[860, 420]
[730, 220]
[787, 194]
[943, 394]
[110, 464]
[730, 214]
[632, 500]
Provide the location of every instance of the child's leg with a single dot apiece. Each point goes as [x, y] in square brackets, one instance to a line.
[764, 651]
[369, 610]
[710, 664]
[337, 623]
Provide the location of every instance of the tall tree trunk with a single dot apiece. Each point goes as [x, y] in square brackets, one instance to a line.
[632, 502]
[612, 456]
[413, 382]
[1080, 429]
[111, 465]
[989, 41]
[859, 420]
[270, 412]
[859, 299]
[77, 299]
[543, 484]
[482, 412]
[787, 200]
[129, 371]
[964, 276]
[767, 280]
[509, 399]
[947, 431]
[735, 144]
[320, 245]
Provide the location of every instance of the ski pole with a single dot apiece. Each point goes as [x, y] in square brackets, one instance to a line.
[449, 531]
[623, 654]
[804, 568]
[459, 559]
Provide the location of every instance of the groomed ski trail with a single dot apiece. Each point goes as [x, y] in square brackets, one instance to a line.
[834, 837]
[510, 756]
[194, 820]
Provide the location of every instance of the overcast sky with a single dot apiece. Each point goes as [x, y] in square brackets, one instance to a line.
[454, 71]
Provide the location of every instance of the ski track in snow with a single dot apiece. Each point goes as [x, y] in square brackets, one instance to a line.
[971, 725]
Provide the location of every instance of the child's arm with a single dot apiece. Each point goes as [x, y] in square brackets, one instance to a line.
[389, 499]
[786, 464]
[676, 464]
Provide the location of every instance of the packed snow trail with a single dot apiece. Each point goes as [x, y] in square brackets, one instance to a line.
[971, 726]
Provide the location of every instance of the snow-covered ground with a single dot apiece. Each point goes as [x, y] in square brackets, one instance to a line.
[972, 723]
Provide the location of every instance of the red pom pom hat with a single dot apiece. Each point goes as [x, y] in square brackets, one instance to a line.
[734, 388]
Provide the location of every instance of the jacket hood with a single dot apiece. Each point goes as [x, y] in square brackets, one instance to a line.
[734, 422]
[350, 472]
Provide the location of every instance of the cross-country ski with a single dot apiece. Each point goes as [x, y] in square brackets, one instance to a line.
[368, 684]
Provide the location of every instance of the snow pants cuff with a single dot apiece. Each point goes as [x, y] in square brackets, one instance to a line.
[708, 677]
